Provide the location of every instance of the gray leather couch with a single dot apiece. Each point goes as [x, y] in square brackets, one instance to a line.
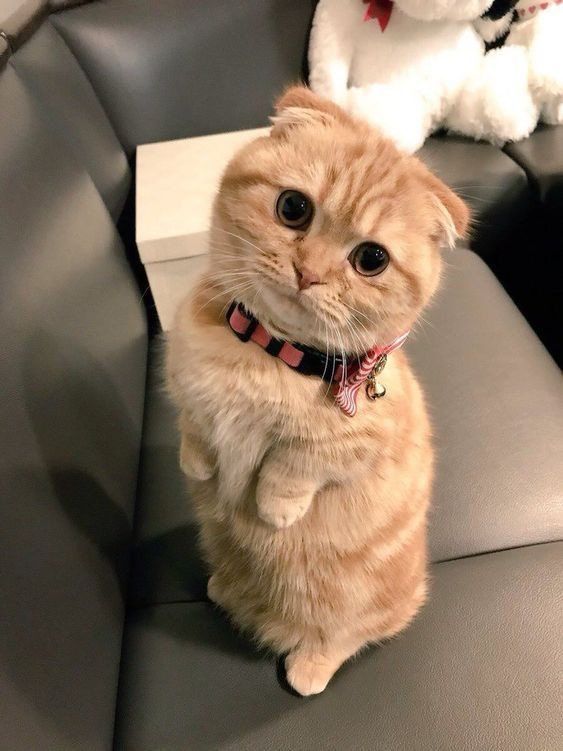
[106, 637]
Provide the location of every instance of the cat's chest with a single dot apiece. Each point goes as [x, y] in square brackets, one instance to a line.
[243, 403]
[263, 402]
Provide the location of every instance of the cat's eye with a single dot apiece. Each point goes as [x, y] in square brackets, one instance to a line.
[294, 209]
[369, 259]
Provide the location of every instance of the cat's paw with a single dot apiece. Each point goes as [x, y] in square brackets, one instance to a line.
[308, 674]
[194, 462]
[282, 512]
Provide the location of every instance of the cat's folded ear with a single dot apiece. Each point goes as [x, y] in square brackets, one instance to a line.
[450, 214]
[299, 106]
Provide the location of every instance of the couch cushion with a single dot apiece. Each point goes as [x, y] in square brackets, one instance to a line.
[497, 406]
[52, 74]
[176, 69]
[72, 375]
[166, 565]
[541, 157]
[496, 401]
[478, 669]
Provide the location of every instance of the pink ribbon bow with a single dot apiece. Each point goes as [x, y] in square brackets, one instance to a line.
[346, 392]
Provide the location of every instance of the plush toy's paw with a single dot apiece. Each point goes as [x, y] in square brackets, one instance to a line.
[496, 103]
[552, 112]
[282, 512]
[513, 123]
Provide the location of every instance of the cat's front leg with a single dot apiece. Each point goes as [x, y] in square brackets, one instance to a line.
[283, 506]
[196, 459]
[283, 493]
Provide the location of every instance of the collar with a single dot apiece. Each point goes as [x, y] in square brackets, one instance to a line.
[380, 10]
[346, 375]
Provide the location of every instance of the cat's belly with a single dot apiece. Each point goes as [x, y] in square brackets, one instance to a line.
[357, 560]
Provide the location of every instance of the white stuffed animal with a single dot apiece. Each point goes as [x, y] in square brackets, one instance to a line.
[536, 25]
[413, 66]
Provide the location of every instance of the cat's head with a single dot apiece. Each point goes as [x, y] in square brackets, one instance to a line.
[327, 233]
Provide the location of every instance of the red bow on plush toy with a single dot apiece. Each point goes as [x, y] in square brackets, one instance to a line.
[380, 9]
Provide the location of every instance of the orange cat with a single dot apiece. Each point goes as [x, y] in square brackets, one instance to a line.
[313, 521]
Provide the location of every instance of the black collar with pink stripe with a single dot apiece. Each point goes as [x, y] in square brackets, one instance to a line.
[305, 360]
[346, 375]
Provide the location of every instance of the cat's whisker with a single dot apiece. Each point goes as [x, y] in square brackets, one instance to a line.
[237, 262]
[359, 323]
[332, 332]
[356, 334]
[471, 197]
[355, 313]
[355, 310]
[320, 320]
[352, 343]
[259, 291]
[356, 338]
[229, 257]
[222, 248]
[224, 309]
[231, 275]
[343, 354]
[230, 270]
[328, 313]
[235, 281]
[243, 239]
[422, 322]
[479, 187]
[357, 320]
[144, 293]
[231, 292]
[275, 278]
[224, 244]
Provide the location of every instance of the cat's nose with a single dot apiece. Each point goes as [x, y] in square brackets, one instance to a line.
[305, 277]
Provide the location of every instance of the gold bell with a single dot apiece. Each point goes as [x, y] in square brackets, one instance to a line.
[374, 389]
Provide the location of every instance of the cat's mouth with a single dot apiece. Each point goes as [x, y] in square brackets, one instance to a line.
[280, 296]
[284, 295]
[298, 316]
[290, 312]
